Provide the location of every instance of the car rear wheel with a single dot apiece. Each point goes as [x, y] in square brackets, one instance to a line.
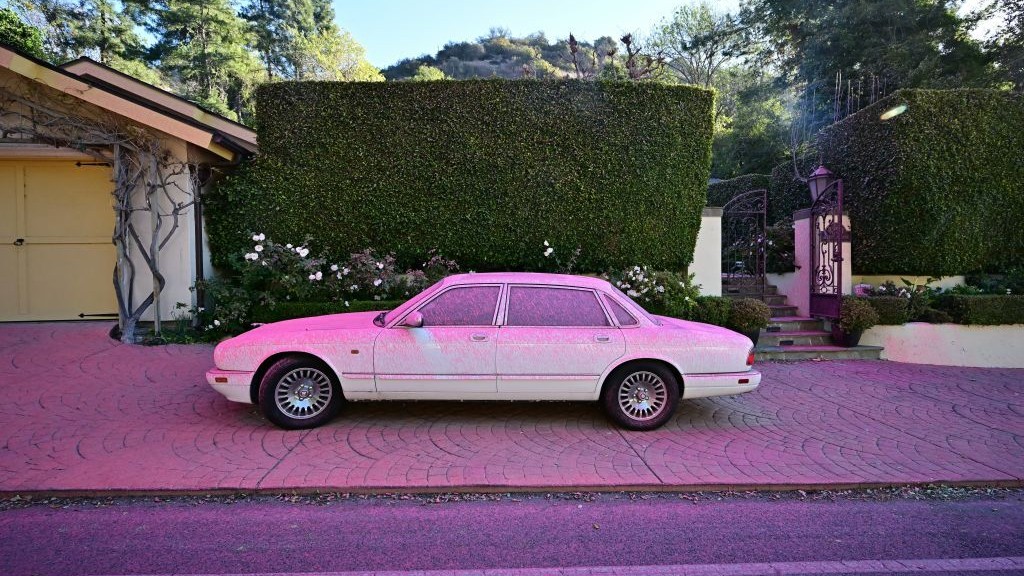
[641, 395]
[300, 393]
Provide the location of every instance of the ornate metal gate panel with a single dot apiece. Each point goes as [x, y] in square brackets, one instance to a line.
[743, 243]
[827, 236]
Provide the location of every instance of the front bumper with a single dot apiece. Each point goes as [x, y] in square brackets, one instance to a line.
[721, 384]
[233, 385]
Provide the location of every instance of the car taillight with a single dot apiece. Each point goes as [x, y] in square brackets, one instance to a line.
[750, 357]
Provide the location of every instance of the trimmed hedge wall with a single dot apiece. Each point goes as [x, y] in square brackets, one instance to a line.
[483, 170]
[892, 310]
[719, 193]
[983, 309]
[289, 310]
[937, 190]
[787, 194]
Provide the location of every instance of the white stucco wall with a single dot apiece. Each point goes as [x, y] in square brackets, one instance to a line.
[707, 255]
[950, 344]
[876, 279]
[177, 259]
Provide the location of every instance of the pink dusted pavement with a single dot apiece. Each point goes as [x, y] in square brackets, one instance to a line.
[84, 413]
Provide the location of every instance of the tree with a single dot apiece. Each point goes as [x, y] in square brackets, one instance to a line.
[269, 35]
[201, 44]
[332, 55]
[19, 35]
[697, 42]
[885, 44]
[751, 124]
[428, 73]
[1007, 46]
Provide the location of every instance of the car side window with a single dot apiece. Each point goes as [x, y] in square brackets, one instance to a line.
[548, 306]
[464, 306]
[623, 317]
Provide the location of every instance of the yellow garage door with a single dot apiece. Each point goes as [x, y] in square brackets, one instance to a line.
[56, 257]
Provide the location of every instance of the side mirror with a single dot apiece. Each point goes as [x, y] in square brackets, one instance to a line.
[412, 320]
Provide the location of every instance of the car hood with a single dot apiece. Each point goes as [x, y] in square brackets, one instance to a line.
[289, 328]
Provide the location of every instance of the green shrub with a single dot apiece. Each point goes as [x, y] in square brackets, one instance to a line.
[659, 292]
[787, 193]
[711, 310]
[856, 315]
[719, 193]
[982, 310]
[891, 310]
[289, 310]
[935, 191]
[484, 170]
[748, 315]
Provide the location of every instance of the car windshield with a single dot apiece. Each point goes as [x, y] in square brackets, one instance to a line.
[636, 306]
[401, 309]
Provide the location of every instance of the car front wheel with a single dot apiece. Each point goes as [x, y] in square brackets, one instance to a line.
[641, 396]
[300, 393]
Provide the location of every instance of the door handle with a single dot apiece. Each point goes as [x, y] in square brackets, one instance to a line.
[19, 241]
[479, 337]
[603, 338]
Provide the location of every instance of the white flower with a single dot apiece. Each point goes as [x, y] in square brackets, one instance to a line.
[312, 276]
[216, 322]
[258, 248]
[345, 271]
[377, 282]
[259, 237]
[546, 243]
[334, 267]
[354, 287]
[288, 246]
[380, 265]
[264, 262]
[301, 251]
[319, 275]
[659, 289]
[632, 293]
[346, 303]
[548, 252]
[338, 275]
[376, 297]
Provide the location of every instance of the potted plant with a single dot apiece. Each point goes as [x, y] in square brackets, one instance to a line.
[855, 316]
[748, 316]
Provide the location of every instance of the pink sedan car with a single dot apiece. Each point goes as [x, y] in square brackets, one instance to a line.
[494, 336]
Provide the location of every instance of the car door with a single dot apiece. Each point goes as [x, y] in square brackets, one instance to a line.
[451, 356]
[555, 343]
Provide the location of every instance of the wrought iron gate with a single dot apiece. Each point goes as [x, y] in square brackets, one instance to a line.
[827, 237]
[743, 243]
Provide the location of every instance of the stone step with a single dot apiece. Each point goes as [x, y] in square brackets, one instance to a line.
[782, 310]
[728, 290]
[791, 338]
[794, 324]
[821, 352]
[770, 299]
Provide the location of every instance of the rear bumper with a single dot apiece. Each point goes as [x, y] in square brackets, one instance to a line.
[721, 384]
[233, 385]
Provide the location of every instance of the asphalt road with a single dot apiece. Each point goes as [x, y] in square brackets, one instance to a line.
[632, 534]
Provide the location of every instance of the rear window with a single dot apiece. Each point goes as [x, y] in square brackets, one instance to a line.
[623, 317]
[549, 306]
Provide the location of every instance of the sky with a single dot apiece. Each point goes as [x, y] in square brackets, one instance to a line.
[391, 30]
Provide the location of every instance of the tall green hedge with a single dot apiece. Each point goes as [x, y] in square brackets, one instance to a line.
[719, 193]
[787, 193]
[483, 170]
[937, 190]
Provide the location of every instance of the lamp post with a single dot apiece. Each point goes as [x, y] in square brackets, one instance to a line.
[819, 181]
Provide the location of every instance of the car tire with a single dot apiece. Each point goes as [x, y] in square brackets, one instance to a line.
[298, 393]
[641, 395]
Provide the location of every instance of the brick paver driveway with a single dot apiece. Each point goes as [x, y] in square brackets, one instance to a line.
[81, 412]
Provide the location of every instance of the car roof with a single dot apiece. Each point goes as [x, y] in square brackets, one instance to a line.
[527, 278]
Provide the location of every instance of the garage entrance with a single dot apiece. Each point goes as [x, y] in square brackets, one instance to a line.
[56, 255]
